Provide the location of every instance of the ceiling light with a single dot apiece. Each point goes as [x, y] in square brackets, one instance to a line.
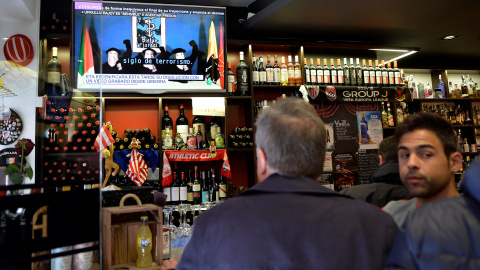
[389, 50]
[450, 37]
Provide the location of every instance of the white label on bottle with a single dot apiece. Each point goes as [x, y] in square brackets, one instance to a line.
[313, 75]
[284, 74]
[385, 77]
[397, 77]
[231, 85]
[269, 74]
[175, 194]
[391, 78]
[196, 187]
[166, 243]
[341, 78]
[291, 73]
[263, 76]
[307, 75]
[372, 76]
[255, 76]
[326, 76]
[183, 193]
[320, 76]
[276, 75]
[166, 191]
[53, 77]
[334, 76]
[183, 130]
[366, 77]
[298, 73]
[222, 191]
[378, 76]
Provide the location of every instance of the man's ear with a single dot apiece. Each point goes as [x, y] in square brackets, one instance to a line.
[261, 163]
[380, 160]
[456, 160]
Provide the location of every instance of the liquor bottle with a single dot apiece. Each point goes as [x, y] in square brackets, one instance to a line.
[384, 74]
[326, 73]
[340, 75]
[191, 140]
[399, 113]
[243, 77]
[167, 143]
[166, 122]
[222, 188]
[464, 88]
[291, 71]
[371, 72]
[283, 72]
[320, 78]
[262, 72]
[470, 86]
[199, 136]
[333, 73]
[359, 74]
[378, 75]
[175, 190]
[353, 73]
[276, 72]
[183, 189]
[213, 188]
[365, 73]
[205, 192]
[54, 68]
[219, 139]
[231, 80]
[212, 128]
[182, 124]
[384, 117]
[168, 193]
[420, 89]
[459, 141]
[198, 120]
[189, 188]
[196, 187]
[441, 85]
[269, 71]
[391, 122]
[307, 71]
[313, 73]
[255, 75]
[346, 72]
[297, 71]
[396, 75]
[391, 75]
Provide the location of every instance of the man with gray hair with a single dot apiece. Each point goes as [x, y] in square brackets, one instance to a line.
[288, 220]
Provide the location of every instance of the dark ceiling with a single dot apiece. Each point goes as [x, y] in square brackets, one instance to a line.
[408, 23]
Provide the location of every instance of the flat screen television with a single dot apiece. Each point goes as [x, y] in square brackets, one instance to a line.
[148, 47]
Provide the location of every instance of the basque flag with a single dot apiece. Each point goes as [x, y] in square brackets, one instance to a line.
[104, 139]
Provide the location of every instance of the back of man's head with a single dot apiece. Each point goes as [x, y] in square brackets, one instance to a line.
[432, 122]
[293, 138]
[388, 149]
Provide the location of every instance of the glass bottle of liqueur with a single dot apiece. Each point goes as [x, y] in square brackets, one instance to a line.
[464, 88]
[291, 71]
[189, 182]
[243, 77]
[222, 188]
[365, 73]
[391, 75]
[391, 122]
[205, 190]
[384, 74]
[371, 73]
[469, 86]
[183, 189]
[269, 71]
[168, 141]
[384, 117]
[219, 139]
[175, 190]
[199, 136]
[196, 187]
[54, 68]
[307, 71]
[276, 72]
[313, 73]
[441, 85]
[397, 79]
[231, 80]
[326, 73]
[262, 72]
[166, 122]
[197, 121]
[182, 124]
[346, 72]
[353, 73]
[320, 78]
[283, 72]
[298, 71]
[255, 76]
[359, 71]
[421, 90]
[378, 75]
[428, 91]
[333, 73]
[340, 75]
[191, 140]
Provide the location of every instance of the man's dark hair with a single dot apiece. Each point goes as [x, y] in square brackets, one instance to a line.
[433, 123]
[388, 149]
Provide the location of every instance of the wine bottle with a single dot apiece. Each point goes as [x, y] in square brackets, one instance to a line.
[333, 72]
[391, 75]
[340, 75]
[198, 120]
[167, 143]
[231, 80]
[191, 140]
[297, 72]
[371, 73]
[346, 72]
[291, 71]
[398, 80]
[384, 74]
[262, 72]
[199, 136]
[283, 72]
[190, 188]
[182, 124]
[313, 73]
[212, 128]
[307, 71]
[166, 122]
[222, 188]
[213, 188]
[320, 79]
[243, 77]
[378, 75]
[359, 72]
[255, 75]
[276, 72]
[54, 68]
[326, 73]
[269, 71]
[175, 190]
[205, 191]
[353, 73]
[168, 192]
[196, 187]
[365, 73]
[183, 189]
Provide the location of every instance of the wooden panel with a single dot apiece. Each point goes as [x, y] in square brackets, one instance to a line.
[132, 242]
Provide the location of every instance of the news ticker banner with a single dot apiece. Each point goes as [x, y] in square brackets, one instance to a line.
[359, 93]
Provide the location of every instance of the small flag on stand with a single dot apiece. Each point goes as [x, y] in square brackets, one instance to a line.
[104, 139]
[137, 169]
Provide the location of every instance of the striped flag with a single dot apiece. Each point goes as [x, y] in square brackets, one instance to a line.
[137, 169]
[221, 64]
[85, 58]
[104, 139]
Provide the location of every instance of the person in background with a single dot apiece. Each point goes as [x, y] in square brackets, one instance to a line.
[385, 184]
[444, 234]
[428, 160]
[113, 65]
[289, 220]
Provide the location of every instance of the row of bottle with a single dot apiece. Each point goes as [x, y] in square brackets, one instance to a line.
[204, 186]
[467, 89]
[465, 146]
[457, 115]
[68, 171]
[241, 137]
[147, 140]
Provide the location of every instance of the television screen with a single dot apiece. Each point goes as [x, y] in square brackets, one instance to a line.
[150, 48]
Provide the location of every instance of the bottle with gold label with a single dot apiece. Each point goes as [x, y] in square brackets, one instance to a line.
[144, 244]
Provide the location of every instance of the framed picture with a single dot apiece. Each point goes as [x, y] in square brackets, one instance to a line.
[148, 32]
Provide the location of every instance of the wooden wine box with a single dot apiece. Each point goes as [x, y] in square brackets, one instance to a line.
[120, 226]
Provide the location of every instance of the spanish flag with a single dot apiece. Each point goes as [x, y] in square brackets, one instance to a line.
[85, 57]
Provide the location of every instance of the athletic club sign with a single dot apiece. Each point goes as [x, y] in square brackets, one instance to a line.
[19, 50]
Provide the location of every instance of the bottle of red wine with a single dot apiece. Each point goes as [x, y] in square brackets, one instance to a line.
[183, 189]
[199, 136]
[182, 124]
[196, 187]
[175, 189]
[166, 122]
[198, 120]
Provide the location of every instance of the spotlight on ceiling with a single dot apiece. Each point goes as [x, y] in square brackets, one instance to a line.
[449, 37]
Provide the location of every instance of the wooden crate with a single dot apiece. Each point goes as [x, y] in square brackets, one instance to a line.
[120, 225]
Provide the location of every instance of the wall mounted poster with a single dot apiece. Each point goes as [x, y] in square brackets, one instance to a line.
[370, 132]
